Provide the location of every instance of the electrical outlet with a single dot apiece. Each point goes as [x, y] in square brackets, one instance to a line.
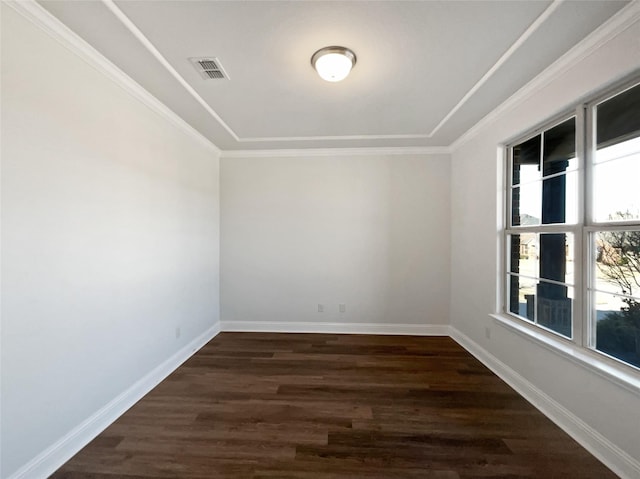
[487, 332]
[178, 333]
[320, 308]
[342, 308]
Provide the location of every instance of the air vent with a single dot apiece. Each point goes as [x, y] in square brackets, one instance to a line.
[209, 68]
[213, 74]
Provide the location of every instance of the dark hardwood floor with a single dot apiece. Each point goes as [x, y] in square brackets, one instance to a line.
[259, 406]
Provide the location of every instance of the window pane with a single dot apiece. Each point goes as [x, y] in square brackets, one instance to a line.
[526, 161]
[526, 204]
[556, 257]
[617, 262]
[545, 303]
[606, 303]
[618, 118]
[524, 256]
[617, 299]
[618, 327]
[559, 149]
[552, 200]
[615, 181]
[522, 296]
[617, 151]
[554, 307]
[513, 294]
[546, 255]
[559, 199]
[616, 195]
[572, 198]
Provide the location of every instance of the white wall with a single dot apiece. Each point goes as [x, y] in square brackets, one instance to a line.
[370, 232]
[612, 411]
[109, 240]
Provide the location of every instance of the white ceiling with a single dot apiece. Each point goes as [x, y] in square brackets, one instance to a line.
[426, 72]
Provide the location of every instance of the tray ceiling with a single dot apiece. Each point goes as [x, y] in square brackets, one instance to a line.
[426, 71]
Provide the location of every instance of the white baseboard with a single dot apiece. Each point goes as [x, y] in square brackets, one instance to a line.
[56, 455]
[336, 328]
[608, 453]
[46, 463]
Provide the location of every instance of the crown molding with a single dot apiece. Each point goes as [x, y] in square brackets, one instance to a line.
[324, 152]
[137, 33]
[49, 24]
[613, 27]
[501, 61]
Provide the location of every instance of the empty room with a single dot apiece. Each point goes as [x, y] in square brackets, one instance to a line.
[320, 239]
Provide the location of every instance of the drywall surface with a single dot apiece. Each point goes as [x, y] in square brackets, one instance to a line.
[109, 240]
[371, 233]
[476, 214]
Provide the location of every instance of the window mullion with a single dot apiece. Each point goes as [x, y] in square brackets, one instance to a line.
[581, 299]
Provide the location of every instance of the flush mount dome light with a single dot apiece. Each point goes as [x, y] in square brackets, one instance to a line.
[333, 63]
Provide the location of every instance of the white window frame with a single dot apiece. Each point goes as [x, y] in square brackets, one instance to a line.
[574, 229]
[581, 346]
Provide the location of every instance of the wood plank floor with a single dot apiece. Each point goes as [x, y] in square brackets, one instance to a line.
[303, 406]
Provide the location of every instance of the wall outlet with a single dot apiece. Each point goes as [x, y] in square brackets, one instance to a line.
[320, 308]
[487, 332]
[178, 332]
[342, 308]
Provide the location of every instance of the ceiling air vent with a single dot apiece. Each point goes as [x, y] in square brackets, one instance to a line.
[209, 68]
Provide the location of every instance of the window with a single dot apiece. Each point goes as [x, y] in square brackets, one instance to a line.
[573, 226]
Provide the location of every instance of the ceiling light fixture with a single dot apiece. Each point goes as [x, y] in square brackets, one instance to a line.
[333, 63]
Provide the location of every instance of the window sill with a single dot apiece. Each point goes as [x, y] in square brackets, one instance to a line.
[593, 362]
